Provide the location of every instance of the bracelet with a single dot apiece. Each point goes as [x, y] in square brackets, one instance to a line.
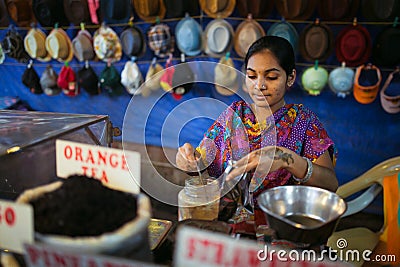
[308, 174]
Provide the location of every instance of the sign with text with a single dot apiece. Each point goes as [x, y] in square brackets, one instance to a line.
[108, 165]
[200, 248]
[16, 225]
[39, 255]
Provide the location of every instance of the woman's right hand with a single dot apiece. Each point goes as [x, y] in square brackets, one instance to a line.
[187, 158]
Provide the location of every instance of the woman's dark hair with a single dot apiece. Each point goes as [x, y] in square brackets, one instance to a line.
[279, 46]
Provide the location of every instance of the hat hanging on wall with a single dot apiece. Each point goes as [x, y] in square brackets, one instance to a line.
[160, 40]
[107, 44]
[131, 78]
[285, 30]
[35, 45]
[133, 41]
[150, 10]
[110, 80]
[88, 80]
[4, 20]
[225, 77]
[296, 9]
[152, 80]
[316, 42]
[59, 46]
[390, 100]
[48, 81]
[178, 8]
[167, 74]
[259, 9]
[353, 45]
[188, 35]
[246, 33]
[218, 38]
[314, 79]
[337, 10]
[49, 12]
[218, 8]
[385, 51]
[367, 80]
[381, 10]
[82, 45]
[31, 79]
[67, 81]
[13, 45]
[341, 80]
[182, 80]
[77, 11]
[20, 12]
[115, 11]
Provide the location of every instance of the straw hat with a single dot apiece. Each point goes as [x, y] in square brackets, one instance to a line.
[59, 46]
[247, 33]
[35, 45]
[259, 9]
[152, 80]
[218, 8]
[225, 77]
[295, 9]
[149, 10]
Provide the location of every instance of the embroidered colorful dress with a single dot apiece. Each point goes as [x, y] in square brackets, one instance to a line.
[236, 133]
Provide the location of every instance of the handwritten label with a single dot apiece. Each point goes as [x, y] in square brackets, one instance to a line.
[38, 255]
[106, 164]
[16, 225]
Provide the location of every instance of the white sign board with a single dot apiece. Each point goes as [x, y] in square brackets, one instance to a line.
[108, 165]
[200, 248]
[38, 255]
[16, 225]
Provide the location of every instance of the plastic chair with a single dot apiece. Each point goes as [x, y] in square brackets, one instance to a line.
[383, 176]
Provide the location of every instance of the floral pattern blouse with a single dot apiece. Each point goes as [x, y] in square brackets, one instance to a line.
[236, 132]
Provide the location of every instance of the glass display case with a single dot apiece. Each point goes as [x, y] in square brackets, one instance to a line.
[27, 145]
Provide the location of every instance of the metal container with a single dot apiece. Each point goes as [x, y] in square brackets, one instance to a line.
[302, 214]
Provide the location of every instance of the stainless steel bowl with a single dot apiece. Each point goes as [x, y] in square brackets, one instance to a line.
[302, 214]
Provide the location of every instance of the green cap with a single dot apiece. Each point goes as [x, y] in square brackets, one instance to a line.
[314, 80]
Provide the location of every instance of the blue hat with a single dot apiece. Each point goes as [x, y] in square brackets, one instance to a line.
[341, 80]
[218, 38]
[285, 30]
[188, 35]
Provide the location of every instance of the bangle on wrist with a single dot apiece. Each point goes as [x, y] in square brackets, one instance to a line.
[308, 174]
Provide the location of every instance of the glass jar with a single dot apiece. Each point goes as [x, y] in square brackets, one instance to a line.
[199, 199]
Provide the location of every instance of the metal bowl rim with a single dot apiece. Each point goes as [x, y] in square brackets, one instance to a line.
[297, 225]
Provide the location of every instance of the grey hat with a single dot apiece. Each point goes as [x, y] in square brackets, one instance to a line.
[133, 42]
[48, 81]
[82, 45]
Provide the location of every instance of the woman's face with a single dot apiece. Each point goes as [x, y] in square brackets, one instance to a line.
[266, 80]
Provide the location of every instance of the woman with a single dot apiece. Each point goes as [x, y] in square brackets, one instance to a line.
[303, 154]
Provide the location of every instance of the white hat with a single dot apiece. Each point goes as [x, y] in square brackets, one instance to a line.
[131, 78]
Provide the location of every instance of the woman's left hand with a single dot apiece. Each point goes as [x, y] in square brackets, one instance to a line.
[263, 161]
